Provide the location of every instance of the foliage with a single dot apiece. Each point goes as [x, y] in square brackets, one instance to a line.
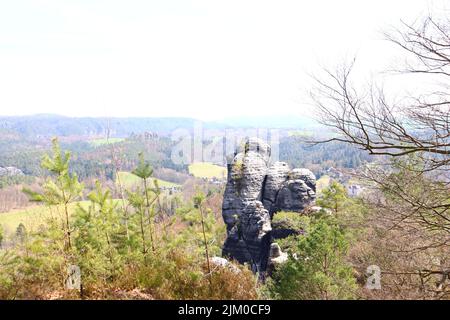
[193, 233]
[2, 235]
[405, 231]
[178, 274]
[291, 220]
[99, 236]
[61, 189]
[130, 180]
[318, 158]
[333, 197]
[319, 269]
[294, 223]
[15, 180]
[111, 246]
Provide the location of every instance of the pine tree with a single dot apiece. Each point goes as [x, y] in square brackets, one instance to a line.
[319, 270]
[333, 197]
[143, 203]
[198, 202]
[137, 201]
[99, 233]
[61, 189]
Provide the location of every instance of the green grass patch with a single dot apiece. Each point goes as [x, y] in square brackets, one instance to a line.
[291, 220]
[33, 217]
[129, 180]
[207, 170]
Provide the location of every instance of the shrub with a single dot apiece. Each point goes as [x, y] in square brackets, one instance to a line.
[319, 270]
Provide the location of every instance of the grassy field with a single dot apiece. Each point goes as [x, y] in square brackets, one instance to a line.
[34, 216]
[31, 217]
[100, 142]
[129, 180]
[207, 170]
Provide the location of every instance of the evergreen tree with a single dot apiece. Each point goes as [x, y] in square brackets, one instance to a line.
[143, 201]
[100, 234]
[198, 202]
[333, 197]
[61, 189]
[319, 270]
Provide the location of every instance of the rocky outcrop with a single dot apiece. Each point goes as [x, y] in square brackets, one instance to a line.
[276, 176]
[247, 220]
[255, 191]
[297, 192]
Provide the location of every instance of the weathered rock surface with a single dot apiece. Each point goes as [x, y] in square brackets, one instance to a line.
[298, 192]
[255, 191]
[276, 176]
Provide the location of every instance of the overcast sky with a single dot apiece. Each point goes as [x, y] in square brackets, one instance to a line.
[206, 59]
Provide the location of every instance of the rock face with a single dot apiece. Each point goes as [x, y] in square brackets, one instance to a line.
[297, 192]
[255, 191]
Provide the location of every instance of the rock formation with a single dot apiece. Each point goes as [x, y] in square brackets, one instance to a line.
[255, 191]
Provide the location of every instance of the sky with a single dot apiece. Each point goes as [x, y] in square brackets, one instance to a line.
[206, 59]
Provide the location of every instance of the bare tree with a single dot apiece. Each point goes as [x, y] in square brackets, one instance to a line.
[411, 198]
[417, 124]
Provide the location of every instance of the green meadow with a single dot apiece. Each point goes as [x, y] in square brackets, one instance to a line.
[32, 217]
[207, 170]
[129, 180]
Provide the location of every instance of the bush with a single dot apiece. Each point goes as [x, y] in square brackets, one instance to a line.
[318, 270]
[130, 252]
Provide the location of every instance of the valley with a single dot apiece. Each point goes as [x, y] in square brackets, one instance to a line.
[224, 150]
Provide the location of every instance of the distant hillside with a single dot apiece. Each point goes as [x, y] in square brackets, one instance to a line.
[48, 125]
[54, 125]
